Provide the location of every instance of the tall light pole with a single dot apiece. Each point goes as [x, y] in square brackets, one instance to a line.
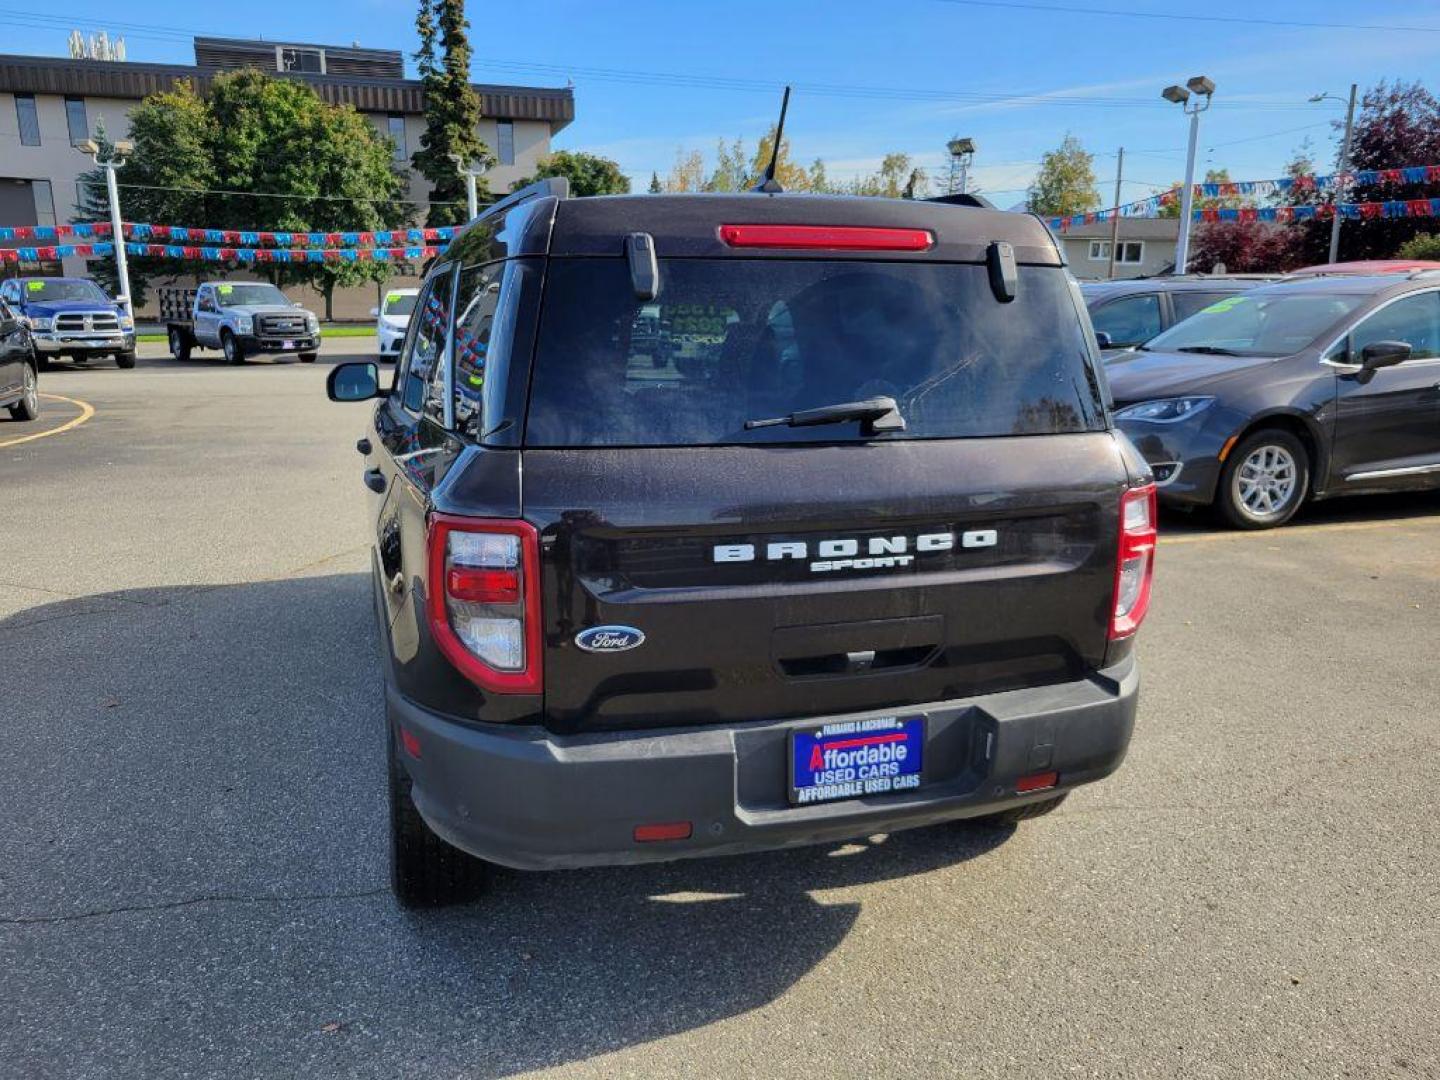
[962, 153]
[115, 159]
[1342, 167]
[1200, 89]
[472, 172]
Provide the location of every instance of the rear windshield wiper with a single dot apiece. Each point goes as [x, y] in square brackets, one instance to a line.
[1209, 350]
[875, 414]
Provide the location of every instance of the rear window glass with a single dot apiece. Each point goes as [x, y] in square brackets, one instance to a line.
[746, 339]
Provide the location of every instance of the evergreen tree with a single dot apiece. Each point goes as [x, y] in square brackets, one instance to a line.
[655, 186]
[452, 109]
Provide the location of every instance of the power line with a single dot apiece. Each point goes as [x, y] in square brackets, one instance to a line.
[1246, 20]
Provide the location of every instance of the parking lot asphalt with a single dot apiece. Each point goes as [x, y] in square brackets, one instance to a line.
[192, 868]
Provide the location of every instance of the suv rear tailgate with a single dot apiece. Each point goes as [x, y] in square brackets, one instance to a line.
[1018, 597]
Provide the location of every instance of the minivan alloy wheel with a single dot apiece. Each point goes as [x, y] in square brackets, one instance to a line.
[1267, 480]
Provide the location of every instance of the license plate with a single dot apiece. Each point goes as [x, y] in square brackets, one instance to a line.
[287, 344]
[854, 758]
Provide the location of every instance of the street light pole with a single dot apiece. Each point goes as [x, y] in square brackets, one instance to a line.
[116, 160]
[1341, 185]
[962, 152]
[1200, 87]
[472, 174]
[1115, 213]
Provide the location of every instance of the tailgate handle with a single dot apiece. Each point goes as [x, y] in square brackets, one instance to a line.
[375, 481]
[864, 662]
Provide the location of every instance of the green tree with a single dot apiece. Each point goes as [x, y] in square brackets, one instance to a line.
[1421, 246]
[688, 172]
[896, 179]
[297, 164]
[655, 186]
[589, 174]
[1171, 209]
[732, 169]
[792, 177]
[452, 109]
[1066, 181]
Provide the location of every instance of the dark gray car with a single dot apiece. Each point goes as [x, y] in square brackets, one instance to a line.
[1301, 389]
[1130, 313]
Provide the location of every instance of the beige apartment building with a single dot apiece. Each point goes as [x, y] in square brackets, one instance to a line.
[49, 103]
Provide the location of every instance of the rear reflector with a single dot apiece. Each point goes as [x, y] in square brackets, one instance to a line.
[1037, 782]
[1134, 561]
[674, 830]
[410, 742]
[483, 586]
[827, 237]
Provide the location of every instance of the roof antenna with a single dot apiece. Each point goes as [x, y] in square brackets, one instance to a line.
[768, 184]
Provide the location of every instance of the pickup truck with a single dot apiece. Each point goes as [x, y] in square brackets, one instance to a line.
[71, 317]
[240, 318]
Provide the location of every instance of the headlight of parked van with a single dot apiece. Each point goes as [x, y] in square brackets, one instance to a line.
[1165, 410]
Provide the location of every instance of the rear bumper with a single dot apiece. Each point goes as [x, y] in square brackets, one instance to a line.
[529, 799]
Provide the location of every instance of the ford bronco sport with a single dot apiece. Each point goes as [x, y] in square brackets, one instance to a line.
[709, 524]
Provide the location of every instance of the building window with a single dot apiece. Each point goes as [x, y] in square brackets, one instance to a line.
[1130, 252]
[505, 142]
[44, 202]
[397, 136]
[308, 61]
[78, 122]
[28, 118]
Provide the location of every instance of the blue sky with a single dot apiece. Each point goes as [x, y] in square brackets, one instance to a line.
[899, 76]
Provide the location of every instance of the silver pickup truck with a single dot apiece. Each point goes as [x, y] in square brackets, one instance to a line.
[240, 318]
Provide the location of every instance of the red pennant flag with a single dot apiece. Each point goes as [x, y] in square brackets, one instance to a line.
[1417, 208]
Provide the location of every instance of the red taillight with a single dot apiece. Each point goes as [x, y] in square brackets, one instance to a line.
[673, 830]
[410, 742]
[1134, 561]
[484, 600]
[827, 237]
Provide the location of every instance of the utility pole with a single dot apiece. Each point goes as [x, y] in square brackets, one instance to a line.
[1342, 186]
[116, 160]
[1199, 87]
[1115, 213]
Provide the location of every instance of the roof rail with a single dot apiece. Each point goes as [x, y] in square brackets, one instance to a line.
[557, 186]
[1421, 273]
[963, 199]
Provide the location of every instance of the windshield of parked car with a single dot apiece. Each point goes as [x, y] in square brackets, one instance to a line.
[735, 340]
[1259, 323]
[400, 304]
[49, 291]
[250, 295]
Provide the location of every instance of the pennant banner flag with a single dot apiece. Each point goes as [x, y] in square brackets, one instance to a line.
[54, 252]
[281, 255]
[236, 237]
[1150, 206]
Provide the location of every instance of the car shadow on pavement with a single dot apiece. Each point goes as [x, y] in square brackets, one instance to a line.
[199, 885]
[1351, 510]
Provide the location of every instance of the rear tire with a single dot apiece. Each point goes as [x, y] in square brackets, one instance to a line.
[1008, 819]
[179, 344]
[28, 407]
[125, 359]
[234, 354]
[425, 871]
[1265, 480]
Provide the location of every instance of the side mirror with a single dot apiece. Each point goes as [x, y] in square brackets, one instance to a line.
[374, 312]
[123, 300]
[354, 382]
[1383, 354]
[1102, 339]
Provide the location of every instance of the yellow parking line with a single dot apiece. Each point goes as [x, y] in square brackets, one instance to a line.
[86, 412]
[1302, 530]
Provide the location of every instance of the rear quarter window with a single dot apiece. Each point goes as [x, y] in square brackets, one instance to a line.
[730, 340]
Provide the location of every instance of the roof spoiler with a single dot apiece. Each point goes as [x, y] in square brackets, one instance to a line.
[963, 199]
[557, 186]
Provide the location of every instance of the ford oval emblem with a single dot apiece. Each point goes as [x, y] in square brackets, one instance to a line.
[609, 638]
